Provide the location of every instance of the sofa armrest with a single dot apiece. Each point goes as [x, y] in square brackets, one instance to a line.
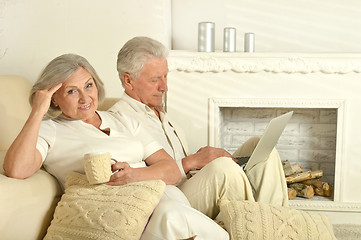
[27, 206]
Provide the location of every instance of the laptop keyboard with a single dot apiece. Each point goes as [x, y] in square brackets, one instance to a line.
[241, 161]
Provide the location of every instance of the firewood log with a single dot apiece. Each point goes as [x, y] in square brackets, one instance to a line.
[324, 192]
[319, 191]
[316, 174]
[317, 183]
[303, 190]
[290, 169]
[287, 168]
[296, 168]
[304, 176]
[328, 192]
[321, 188]
[292, 193]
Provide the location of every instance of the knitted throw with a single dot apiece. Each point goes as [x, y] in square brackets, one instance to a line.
[254, 221]
[103, 212]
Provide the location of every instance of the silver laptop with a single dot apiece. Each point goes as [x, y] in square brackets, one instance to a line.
[267, 142]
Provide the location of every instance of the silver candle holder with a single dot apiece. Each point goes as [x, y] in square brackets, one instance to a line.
[229, 40]
[249, 42]
[206, 33]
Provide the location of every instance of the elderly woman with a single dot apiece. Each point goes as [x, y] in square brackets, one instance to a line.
[71, 85]
[67, 95]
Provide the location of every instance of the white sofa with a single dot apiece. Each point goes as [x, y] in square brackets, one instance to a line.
[26, 206]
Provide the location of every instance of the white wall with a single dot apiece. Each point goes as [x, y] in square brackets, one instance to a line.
[34, 32]
[279, 25]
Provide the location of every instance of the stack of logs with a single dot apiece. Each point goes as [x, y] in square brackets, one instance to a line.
[305, 183]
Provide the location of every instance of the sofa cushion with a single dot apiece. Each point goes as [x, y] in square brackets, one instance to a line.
[104, 212]
[14, 108]
[27, 206]
[253, 220]
[107, 103]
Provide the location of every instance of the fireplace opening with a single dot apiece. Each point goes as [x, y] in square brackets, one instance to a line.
[309, 139]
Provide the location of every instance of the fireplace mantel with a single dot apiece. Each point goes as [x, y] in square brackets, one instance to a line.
[328, 63]
[195, 79]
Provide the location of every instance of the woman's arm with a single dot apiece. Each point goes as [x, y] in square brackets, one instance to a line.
[160, 166]
[22, 158]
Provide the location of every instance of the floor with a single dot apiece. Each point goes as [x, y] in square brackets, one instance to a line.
[347, 231]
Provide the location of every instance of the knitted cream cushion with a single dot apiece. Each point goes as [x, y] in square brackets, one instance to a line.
[253, 220]
[103, 212]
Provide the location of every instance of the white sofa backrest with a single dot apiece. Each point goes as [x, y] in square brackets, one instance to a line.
[14, 108]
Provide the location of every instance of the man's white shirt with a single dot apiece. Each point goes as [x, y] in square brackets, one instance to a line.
[162, 131]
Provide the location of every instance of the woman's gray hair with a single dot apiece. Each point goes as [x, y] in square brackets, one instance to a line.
[58, 71]
[136, 52]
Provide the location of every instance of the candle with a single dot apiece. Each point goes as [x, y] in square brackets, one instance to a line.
[206, 36]
[249, 39]
[229, 40]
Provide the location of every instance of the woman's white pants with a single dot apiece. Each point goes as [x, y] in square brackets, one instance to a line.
[174, 219]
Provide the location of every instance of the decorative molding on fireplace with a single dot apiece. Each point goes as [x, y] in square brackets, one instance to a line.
[274, 102]
[325, 206]
[239, 62]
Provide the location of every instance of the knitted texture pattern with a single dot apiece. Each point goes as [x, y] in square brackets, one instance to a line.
[103, 212]
[253, 221]
[97, 168]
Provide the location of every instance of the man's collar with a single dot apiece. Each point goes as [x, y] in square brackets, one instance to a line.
[139, 106]
[135, 104]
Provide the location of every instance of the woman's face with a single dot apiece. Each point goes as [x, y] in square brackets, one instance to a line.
[78, 96]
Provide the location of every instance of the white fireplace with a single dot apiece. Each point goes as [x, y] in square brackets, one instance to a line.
[203, 85]
[313, 138]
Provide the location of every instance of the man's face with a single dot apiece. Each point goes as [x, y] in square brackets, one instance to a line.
[151, 84]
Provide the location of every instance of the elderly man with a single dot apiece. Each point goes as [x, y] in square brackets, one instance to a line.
[143, 68]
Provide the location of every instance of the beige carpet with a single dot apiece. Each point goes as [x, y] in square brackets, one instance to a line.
[347, 231]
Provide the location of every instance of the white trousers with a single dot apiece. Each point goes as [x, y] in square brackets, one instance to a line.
[224, 179]
[174, 219]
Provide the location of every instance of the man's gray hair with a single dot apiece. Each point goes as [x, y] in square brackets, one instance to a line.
[58, 71]
[136, 52]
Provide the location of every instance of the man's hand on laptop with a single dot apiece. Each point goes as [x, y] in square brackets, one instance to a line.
[204, 156]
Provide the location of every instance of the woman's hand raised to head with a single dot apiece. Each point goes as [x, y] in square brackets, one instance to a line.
[22, 158]
[42, 99]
